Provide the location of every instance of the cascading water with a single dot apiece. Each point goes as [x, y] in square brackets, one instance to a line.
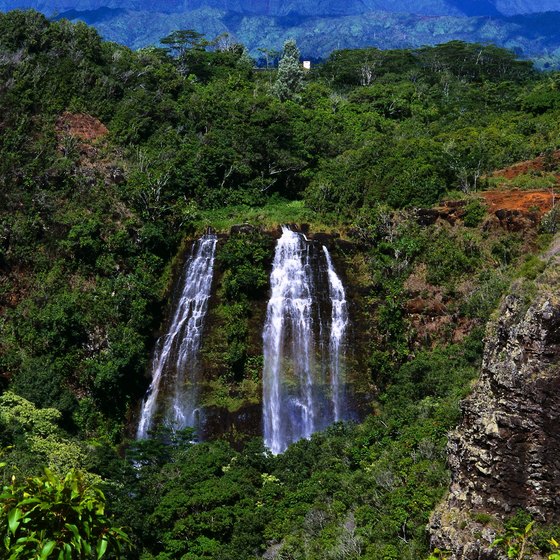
[339, 322]
[172, 395]
[299, 395]
[287, 410]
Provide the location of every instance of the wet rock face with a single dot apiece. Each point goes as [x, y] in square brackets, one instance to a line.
[505, 455]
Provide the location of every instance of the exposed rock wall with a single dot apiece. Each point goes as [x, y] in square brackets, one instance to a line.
[505, 454]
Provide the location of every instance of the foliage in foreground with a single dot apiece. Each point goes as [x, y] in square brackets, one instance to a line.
[49, 516]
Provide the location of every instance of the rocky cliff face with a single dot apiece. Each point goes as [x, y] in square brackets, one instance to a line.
[505, 455]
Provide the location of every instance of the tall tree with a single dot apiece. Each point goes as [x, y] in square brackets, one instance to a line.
[289, 81]
[182, 42]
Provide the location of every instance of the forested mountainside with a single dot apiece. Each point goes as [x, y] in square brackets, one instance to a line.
[528, 28]
[401, 165]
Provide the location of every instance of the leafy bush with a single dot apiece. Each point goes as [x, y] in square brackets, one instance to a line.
[550, 222]
[64, 517]
[475, 211]
[448, 257]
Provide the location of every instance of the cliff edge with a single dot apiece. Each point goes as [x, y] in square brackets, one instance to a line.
[505, 454]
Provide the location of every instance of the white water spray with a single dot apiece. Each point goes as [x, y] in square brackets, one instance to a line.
[297, 399]
[172, 394]
[339, 323]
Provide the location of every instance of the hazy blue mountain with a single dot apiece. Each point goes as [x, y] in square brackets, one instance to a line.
[514, 7]
[302, 7]
[321, 26]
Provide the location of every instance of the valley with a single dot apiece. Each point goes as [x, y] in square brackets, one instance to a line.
[371, 368]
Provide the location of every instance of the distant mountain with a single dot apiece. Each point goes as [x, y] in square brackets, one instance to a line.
[321, 26]
[302, 7]
[515, 7]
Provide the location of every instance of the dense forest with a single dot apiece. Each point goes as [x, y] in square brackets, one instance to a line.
[529, 28]
[112, 161]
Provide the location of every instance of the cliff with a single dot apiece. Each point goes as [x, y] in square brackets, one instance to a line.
[505, 455]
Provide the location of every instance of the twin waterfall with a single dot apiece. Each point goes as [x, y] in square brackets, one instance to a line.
[302, 391]
[303, 345]
[172, 395]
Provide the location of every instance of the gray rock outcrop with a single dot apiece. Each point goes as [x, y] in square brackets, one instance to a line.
[505, 455]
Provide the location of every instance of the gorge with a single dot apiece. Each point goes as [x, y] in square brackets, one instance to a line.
[422, 209]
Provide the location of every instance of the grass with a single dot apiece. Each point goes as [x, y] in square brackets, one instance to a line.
[525, 181]
[269, 216]
[531, 267]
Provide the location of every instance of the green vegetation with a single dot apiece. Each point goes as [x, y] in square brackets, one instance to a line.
[93, 221]
[322, 28]
[232, 353]
[47, 515]
[521, 537]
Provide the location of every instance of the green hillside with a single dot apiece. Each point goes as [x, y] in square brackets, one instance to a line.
[112, 161]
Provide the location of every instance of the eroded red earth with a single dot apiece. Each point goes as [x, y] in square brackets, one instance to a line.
[81, 126]
[524, 167]
[528, 202]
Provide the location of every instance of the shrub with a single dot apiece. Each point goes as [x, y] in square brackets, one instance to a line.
[475, 210]
[63, 517]
[550, 222]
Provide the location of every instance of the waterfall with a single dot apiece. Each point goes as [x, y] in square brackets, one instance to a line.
[339, 322]
[172, 394]
[297, 398]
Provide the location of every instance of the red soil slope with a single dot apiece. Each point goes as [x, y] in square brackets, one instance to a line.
[81, 125]
[523, 167]
[528, 202]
